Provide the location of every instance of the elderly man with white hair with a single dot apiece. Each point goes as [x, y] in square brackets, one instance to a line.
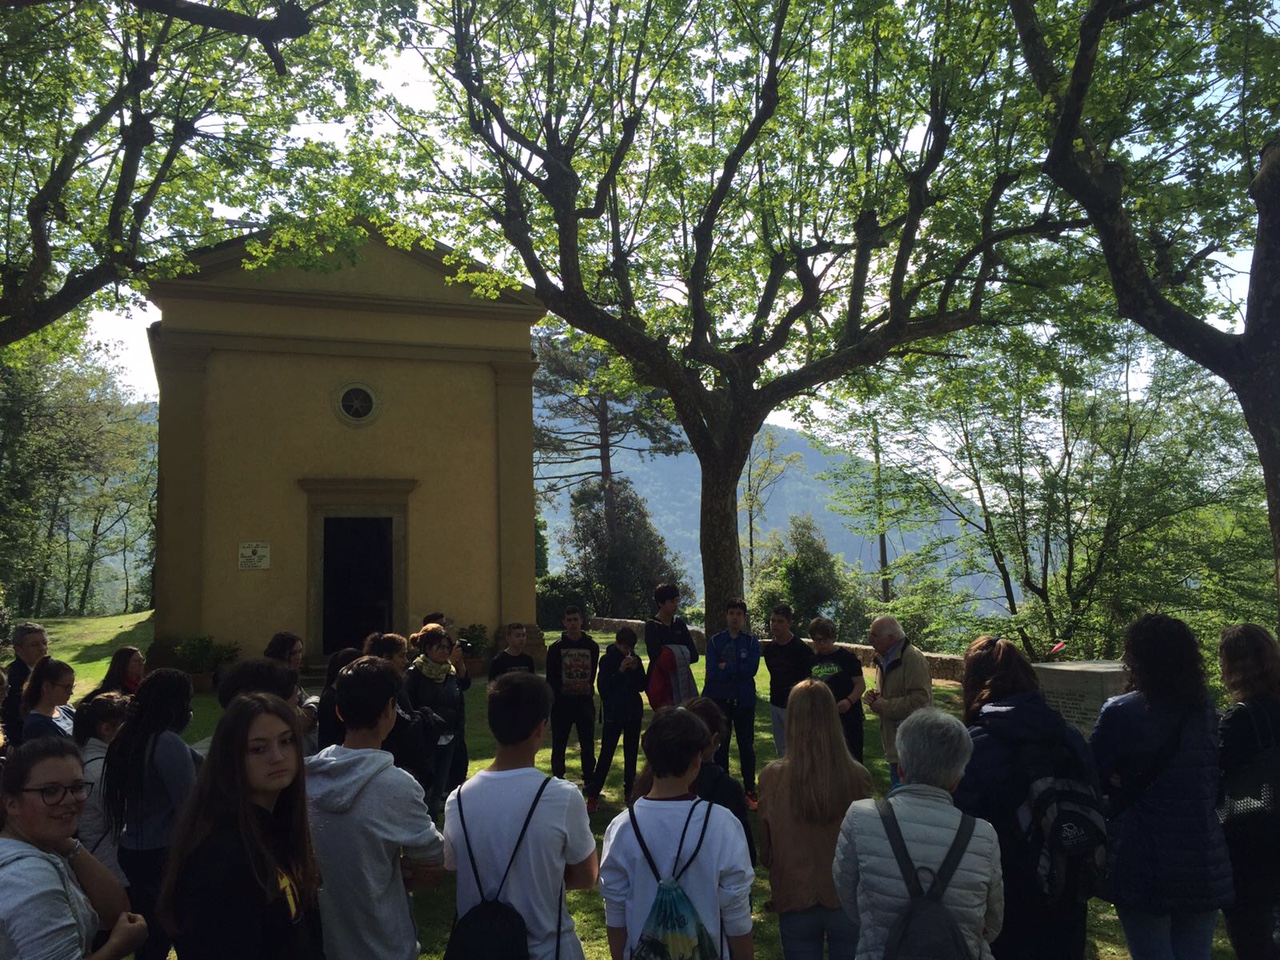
[903, 684]
[871, 878]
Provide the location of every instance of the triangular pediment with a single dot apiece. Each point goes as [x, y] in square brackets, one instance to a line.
[380, 277]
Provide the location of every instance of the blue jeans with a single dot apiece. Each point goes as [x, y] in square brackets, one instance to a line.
[893, 774]
[1168, 936]
[803, 931]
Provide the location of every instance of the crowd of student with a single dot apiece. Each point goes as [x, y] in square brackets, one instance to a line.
[305, 830]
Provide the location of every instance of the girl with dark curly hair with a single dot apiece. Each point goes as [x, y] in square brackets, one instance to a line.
[1156, 752]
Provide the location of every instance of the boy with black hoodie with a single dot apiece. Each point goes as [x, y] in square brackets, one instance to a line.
[621, 682]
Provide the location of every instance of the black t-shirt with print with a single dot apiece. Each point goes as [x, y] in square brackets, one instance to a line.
[839, 670]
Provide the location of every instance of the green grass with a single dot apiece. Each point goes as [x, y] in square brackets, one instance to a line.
[88, 644]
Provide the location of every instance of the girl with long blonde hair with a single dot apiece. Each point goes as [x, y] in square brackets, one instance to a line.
[803, 799]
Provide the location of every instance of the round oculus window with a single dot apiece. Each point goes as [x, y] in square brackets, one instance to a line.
[356, 404]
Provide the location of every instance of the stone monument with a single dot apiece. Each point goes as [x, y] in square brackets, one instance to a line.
[1077, 689]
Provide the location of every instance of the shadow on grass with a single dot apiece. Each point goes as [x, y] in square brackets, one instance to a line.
[139, 635]
[95, 639]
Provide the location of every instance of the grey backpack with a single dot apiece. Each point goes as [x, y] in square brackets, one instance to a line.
[926, 928]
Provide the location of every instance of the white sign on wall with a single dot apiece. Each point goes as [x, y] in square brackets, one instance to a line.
[255, 555]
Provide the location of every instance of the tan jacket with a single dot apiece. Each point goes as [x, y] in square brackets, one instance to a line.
[904, 688]
[799, 855]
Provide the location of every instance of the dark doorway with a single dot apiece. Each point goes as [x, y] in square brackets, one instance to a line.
[357, 579]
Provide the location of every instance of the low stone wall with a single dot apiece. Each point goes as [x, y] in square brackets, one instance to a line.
[1077, 689]
[604, 629]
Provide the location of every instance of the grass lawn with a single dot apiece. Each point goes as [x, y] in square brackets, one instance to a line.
[87, 644]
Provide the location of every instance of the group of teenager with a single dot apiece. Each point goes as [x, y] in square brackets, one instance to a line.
[120, 838]
[576, 669]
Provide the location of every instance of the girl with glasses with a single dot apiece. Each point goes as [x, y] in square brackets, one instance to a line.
[54, 896]
[44, 699]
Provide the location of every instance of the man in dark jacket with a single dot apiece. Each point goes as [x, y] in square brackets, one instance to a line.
[571, 671]
[30, 646]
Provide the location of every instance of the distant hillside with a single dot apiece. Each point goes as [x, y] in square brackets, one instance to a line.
[670, 486]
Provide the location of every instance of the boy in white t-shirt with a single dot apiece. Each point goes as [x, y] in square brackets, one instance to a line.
[717, 882]
[559, 850]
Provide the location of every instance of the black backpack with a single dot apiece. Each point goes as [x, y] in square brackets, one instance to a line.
[1060, 825]
[492, 929]
[926, 928]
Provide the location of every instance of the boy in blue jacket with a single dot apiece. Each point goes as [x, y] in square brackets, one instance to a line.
[733, 658]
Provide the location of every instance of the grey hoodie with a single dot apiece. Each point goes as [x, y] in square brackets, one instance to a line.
[365, 812]
[43, 911]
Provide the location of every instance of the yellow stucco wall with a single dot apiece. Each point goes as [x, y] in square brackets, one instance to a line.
[249, 366]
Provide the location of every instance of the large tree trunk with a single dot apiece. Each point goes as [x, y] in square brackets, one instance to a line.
[718, 536]
[1258, 391]
[1257, 383]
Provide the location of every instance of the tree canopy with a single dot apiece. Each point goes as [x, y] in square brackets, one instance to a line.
[745, 201]
[588, 410]
[77, 484]
[131, 133]
[615, 571]
[1073, 489]
[1160, 122]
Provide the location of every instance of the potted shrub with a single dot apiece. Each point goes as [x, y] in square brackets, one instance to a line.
[473, 640]
[200, 657]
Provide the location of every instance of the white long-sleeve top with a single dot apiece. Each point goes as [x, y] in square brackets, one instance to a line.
[718, 883]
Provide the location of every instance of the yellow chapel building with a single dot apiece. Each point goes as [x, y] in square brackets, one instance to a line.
[340, 451]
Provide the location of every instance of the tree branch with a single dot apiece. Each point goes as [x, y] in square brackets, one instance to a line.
[1098, 185]
[290, 23]
[699, 346]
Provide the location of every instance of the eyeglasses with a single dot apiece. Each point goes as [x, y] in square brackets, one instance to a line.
[55, 793]
[69, 685]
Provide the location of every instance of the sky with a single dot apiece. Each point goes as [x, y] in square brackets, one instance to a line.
[127, 333]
